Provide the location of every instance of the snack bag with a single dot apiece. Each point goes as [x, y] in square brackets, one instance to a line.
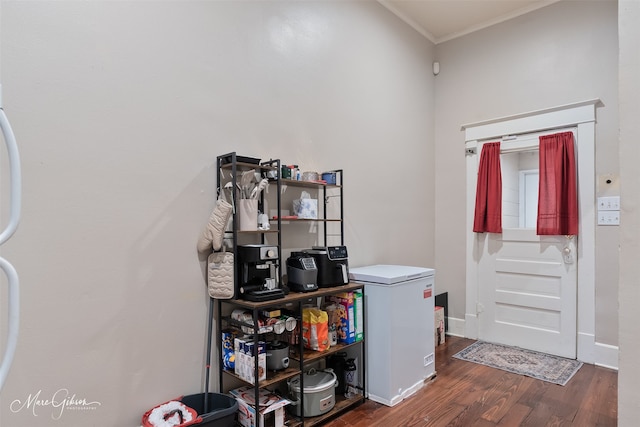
[315, 329]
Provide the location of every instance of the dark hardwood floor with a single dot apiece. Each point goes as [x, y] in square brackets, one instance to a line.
[470, 395]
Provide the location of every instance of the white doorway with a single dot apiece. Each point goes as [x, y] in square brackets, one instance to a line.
[522, 289]
[527, 284]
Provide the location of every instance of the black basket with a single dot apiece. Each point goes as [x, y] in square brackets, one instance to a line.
[221, 409]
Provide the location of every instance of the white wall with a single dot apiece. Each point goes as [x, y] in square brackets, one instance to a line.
[560, 54]
[629, 375]
[120, 109]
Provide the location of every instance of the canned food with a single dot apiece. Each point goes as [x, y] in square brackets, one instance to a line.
[242, 315]
[289, 322]
[262, 328]
[277, 324]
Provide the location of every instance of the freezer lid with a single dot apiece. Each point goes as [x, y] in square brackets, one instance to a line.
[388, 274]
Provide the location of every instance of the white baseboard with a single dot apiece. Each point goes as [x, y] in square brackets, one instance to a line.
[456, 327]
[606, 356]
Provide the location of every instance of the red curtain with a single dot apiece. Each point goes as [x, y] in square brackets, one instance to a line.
[557, 193]
[488, 216]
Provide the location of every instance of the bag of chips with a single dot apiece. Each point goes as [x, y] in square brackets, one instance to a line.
[315, 329]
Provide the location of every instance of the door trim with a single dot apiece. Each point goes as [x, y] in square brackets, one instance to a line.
[581, 115]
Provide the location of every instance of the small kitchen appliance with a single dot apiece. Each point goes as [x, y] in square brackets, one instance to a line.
[332, 263]
[405, 294]
[302, 272]
[258, 272]
[277, 355]
[319, 393]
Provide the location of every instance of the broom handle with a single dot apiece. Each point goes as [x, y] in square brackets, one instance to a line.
[208, 357]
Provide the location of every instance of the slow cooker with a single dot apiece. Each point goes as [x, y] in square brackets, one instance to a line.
[319, 392]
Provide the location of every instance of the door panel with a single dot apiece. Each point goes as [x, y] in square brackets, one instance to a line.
[527, 292]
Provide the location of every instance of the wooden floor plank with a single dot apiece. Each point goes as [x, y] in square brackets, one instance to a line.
[599, 406]
[466, 394]
[507, 394]
[516, 416]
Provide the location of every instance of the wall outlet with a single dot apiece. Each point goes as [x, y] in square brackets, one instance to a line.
[608, 217]
[428, 359]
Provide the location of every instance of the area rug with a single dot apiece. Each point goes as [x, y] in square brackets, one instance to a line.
[546, 367]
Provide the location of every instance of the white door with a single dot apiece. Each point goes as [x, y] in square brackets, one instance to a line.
[532, 308]
[527, 291]
[527, 288]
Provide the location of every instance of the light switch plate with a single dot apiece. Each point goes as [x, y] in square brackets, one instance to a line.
[609, 203]
[608, 217]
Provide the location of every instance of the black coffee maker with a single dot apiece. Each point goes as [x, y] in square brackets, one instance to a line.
[258, 273]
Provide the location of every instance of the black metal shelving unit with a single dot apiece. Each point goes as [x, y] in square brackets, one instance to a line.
[233, 164]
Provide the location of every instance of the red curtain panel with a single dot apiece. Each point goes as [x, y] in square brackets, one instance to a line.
[488, 215]
[557, 193]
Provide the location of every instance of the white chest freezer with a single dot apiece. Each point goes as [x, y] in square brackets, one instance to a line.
[399, 341]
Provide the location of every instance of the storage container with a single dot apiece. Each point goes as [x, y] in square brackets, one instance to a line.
[329, 177]
[221, 409]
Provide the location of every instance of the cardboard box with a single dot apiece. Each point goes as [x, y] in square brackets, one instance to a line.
[228, 349]
[271, 313]
[439, 325]
[271, 410]
[245, 360]
[358, 309]
[250, 360]
[238, 349]
[333, 321]
[346, 314]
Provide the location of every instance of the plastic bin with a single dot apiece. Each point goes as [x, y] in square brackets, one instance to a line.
[222, 409]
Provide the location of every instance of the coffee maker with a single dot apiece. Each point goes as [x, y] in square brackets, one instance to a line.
[258, 273]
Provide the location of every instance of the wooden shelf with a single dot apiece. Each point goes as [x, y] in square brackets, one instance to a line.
[273, 377]
[310, 355]
[295, 297]
[305, 220]
[342, 404]
[271, 230]
[312, 184]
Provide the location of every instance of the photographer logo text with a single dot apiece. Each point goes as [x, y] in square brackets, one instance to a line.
[59, 402]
